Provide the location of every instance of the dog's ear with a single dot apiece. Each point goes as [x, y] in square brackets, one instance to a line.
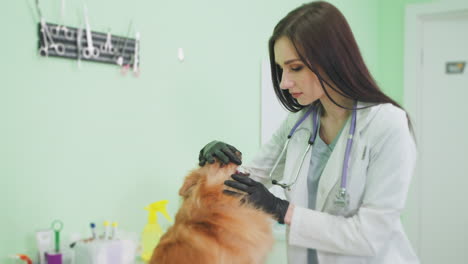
[190, 181]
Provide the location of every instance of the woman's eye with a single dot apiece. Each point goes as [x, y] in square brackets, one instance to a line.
[298, 68]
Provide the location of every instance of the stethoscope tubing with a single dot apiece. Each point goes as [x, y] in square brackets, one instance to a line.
[349, 143]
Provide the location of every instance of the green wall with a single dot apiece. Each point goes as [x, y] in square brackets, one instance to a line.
[391, 22]
[88, 144]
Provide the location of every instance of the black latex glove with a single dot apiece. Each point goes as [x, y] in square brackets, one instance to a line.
[223, 151]
[258, 195]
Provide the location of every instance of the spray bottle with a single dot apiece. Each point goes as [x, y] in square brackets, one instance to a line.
[152, 231]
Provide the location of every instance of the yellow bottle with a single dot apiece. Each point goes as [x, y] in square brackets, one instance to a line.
[152, 231]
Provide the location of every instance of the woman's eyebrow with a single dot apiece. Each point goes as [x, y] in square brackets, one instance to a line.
[291, 61]
[288, 62]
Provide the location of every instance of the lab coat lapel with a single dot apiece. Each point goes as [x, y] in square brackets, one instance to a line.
[333, 170]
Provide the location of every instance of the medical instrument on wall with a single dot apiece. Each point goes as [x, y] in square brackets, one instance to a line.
[134, 60]
[342, 197]
[83, 43]
[61, 28]
[80, 42]
[107, 47]
[49, 41]
[89, 51]
[125, 68]
[120, 52]
[79, 35]
[136, 69]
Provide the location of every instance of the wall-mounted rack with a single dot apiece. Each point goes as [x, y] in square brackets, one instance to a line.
[69, 42]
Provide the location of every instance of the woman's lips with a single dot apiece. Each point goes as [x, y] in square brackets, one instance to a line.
[296, 95]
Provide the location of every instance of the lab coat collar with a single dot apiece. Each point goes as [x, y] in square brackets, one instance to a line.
[363, 117]
[333, 170]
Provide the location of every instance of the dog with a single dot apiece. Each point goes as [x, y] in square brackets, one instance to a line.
[212, 227]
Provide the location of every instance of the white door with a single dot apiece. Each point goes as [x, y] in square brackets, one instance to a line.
[443, 142]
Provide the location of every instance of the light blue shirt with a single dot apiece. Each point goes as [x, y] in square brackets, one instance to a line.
[320, 154]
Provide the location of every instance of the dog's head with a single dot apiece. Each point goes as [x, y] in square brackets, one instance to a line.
[211, 174]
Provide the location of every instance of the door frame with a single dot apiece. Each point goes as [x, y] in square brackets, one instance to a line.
[415, 15]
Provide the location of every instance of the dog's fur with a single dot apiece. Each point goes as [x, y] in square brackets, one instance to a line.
[212, 227]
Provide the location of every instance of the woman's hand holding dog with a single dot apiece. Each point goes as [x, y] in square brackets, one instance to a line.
[257, 194]
[224, 152]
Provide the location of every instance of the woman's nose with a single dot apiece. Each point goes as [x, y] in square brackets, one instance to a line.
[286, 83]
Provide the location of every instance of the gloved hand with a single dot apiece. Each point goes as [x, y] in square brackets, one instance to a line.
[257, 194]
[224, 152]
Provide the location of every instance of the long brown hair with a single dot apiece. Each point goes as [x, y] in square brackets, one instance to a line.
[323, 40]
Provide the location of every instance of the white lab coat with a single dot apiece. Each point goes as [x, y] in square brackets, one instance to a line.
[382, 161]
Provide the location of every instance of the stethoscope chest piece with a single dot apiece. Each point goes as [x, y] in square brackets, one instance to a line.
[341, 198]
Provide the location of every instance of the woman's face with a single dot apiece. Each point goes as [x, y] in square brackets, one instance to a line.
[297, 78]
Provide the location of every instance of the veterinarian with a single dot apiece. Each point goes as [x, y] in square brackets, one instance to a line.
[344, 155]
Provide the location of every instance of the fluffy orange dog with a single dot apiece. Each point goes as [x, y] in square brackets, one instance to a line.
[211, 227]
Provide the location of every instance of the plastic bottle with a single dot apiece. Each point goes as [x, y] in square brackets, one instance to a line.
[152, 231]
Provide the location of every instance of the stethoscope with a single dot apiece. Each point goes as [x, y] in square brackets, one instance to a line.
[342, 197]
